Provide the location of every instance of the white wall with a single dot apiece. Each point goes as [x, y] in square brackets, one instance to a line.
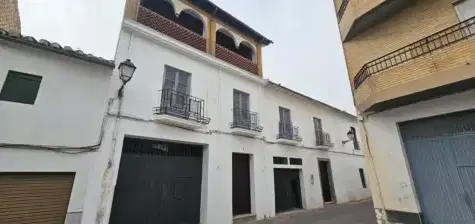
[387, 150]
[68, 111]
[214, 81]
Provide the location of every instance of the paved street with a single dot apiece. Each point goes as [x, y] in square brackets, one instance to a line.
[352, 213]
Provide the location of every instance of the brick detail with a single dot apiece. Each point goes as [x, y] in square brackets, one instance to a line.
[236, 59]
[10, 16]
[170, 28]
[453, 56]
[422, 19]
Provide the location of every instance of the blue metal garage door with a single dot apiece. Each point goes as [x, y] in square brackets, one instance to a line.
[441, 154]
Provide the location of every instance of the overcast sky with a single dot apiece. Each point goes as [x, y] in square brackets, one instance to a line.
[306, 55]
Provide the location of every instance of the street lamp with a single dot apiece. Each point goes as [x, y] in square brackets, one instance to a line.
[351, 136]
[126, 69]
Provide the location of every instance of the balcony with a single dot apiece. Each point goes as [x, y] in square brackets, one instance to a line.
[236, 59]
[181, 110]
[356, 16]
[323, 139]
[288, 134]
[245, 123]
[170, 28]
[437, 65]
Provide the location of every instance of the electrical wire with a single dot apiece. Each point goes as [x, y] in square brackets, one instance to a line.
[66, 149]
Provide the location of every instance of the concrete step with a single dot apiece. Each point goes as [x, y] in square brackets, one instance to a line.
[241, 219]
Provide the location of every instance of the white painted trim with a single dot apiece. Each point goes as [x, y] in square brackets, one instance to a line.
[244, 132]
[282, 166]
[176, 121]
[288, 141]
[176, 45]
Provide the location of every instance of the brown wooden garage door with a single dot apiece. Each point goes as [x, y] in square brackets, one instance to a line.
[34, 198]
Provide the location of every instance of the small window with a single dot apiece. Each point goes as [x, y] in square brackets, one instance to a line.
[281, 160]
[20, 88]
[295, 161]
[362, 177]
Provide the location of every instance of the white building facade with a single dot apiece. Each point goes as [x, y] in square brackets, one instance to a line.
[52, 105]
[222, 169]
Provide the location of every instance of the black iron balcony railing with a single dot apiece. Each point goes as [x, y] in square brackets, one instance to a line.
[181, 105]
[342, 9]
[448, 36]
[323, 138]
[287, 131]
[243, 118]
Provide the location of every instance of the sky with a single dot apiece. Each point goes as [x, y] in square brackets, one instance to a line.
[306, 56]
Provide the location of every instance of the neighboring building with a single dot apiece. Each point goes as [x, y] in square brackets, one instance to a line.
[10, 16]
[412, 70]
[201, 137]
[52, 106]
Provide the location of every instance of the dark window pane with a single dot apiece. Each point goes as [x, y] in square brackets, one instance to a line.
[362, 177]
[20, 87]
[280, 160]
[295, 161]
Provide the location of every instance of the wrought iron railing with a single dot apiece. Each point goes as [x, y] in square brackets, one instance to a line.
[448, 36]
[181, 105]
[287, 131]
[243, 118]
[342, 9]
[323, 138]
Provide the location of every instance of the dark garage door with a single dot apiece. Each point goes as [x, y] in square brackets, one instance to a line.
[441, 154]
[158, 183]
[287, 190]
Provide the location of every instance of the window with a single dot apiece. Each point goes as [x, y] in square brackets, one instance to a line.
[176, 90]
[284, 115]
[241, 100]
[356, 145]
[295, 161]
[176, 80]
[20, 88]
[285, 124]
[465, 9]
[280, 160]
[317, 123]
[362, 177]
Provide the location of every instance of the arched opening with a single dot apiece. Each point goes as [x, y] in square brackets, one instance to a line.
[225, 39]
[162, 7]
[192, 21]
[245, 49]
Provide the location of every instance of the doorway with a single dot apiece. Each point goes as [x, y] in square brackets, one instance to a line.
[287, 190]
[326, 180]
[158, 182]
[241, 184]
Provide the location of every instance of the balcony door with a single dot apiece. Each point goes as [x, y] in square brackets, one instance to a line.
[176, 91]
[285, 124]
[317, 123]
[241, 114]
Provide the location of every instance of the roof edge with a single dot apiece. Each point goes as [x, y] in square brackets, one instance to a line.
[279, 86]
[55, 48]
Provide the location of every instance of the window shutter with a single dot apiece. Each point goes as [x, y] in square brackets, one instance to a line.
[20, 87]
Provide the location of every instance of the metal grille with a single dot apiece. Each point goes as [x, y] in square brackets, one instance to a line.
[287, 131]
[323, 138]
[159, 148]
[181, 105]
[342, 9]
[243, 118]
[448, 36]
